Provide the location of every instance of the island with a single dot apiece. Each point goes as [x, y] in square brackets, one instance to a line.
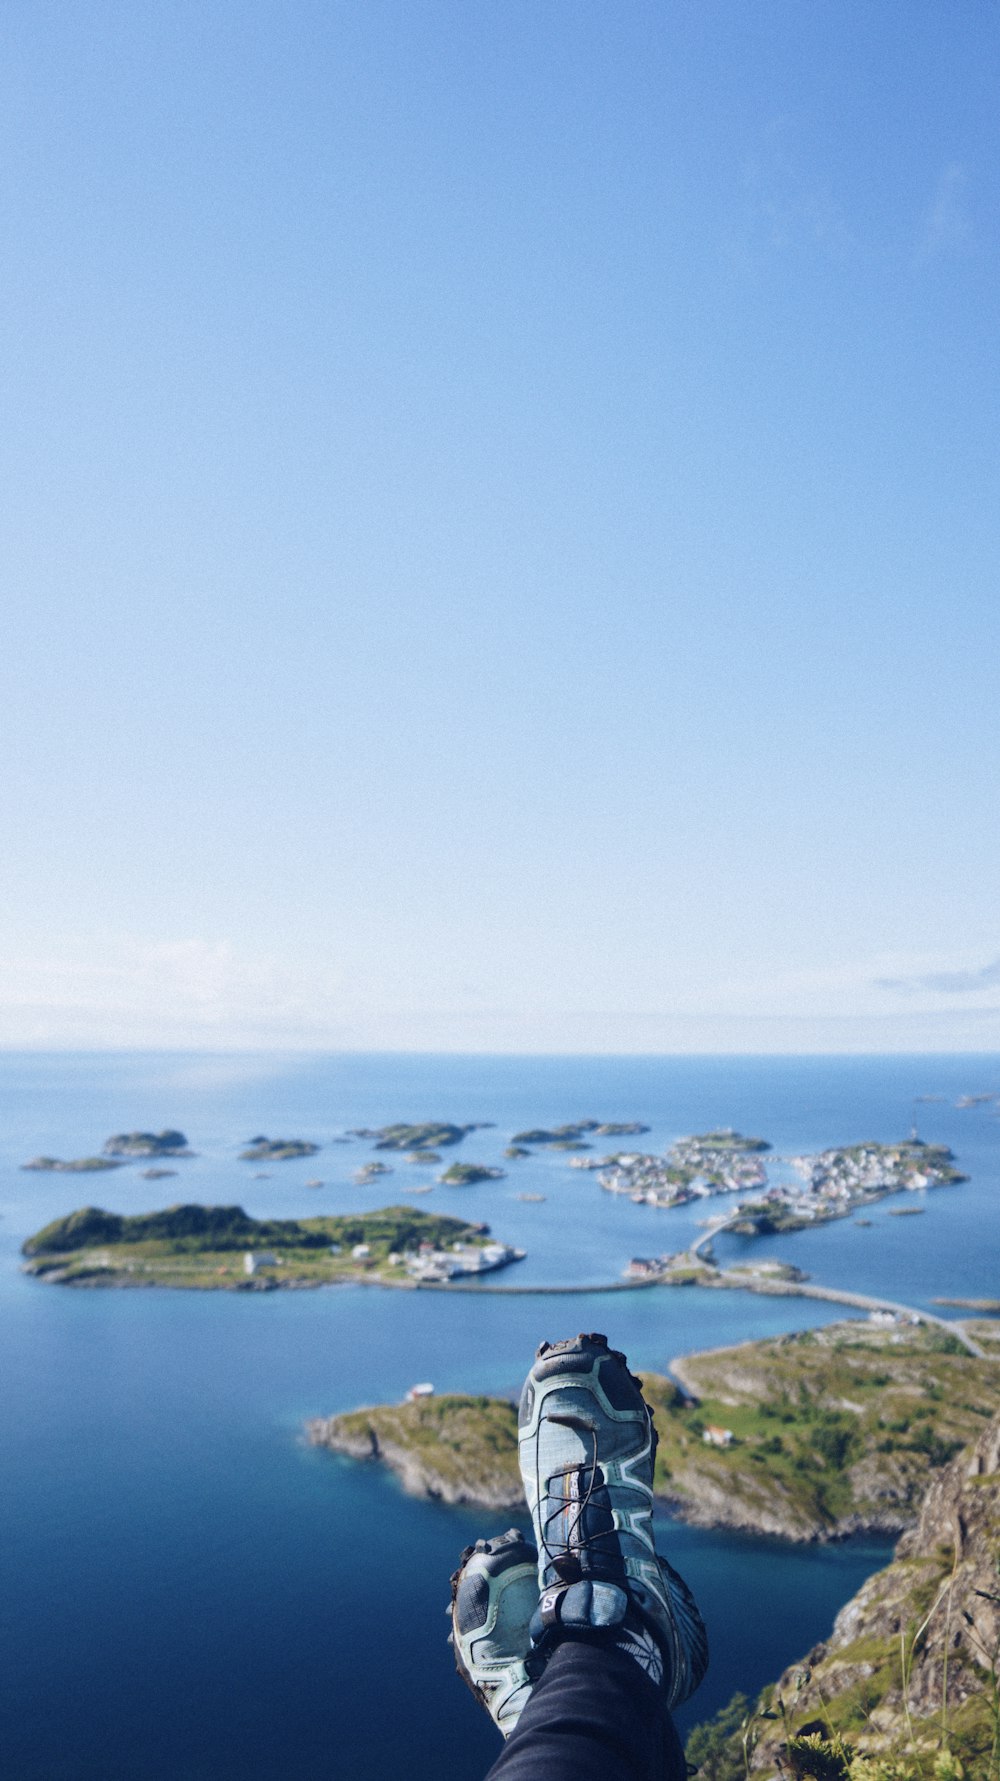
[567, 1137]
[811, 1436]
[223, 1246]
[559, 1135]
[836, 1181]
[145, 1144]
[466, 1174]
[694, 1168]
[80, 1165]
[276, 1150]
[432, 1135]
[839, 1181]
[371, 1172]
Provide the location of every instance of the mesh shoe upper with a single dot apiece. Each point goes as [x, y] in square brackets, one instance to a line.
[494, 1593]
[587, 1443]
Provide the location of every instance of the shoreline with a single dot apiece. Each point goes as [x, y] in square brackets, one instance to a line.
[715, 1279]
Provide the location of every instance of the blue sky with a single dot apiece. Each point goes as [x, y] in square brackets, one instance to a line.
[500, 525]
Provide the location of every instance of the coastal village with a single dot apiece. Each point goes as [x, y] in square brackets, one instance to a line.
[836, 1182]
[692, 1169]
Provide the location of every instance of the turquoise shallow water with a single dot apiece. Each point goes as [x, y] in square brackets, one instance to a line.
[186, 1590]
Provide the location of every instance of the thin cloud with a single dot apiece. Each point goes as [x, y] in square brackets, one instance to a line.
[785, 207]
[945, 226]
[950, 983]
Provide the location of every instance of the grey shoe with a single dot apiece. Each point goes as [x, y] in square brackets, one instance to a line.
[586, 1443]
[494, 1593]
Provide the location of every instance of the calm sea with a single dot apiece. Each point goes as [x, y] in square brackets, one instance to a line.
[187, 1591]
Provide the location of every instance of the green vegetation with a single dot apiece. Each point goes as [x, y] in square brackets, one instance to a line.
[559, 1134]
[132, 1144]
[728, 1140]
[433, 1135]
[204, 1246]
[462, 1449]
[276, 1150]
[833, 1430]
[516, 1150]
[567, 1137]
[81, 1165]
[906, 1687]
[466, 1174]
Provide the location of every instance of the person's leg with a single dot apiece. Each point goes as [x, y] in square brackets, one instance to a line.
[593, 1715]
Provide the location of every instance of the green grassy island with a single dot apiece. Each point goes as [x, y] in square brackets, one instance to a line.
[432, 1135]
[811, 1437]
[565, 1137]
[467, 1174]
[80, 1165]
[146, 1144]
[223, 1247]
[277, 1150]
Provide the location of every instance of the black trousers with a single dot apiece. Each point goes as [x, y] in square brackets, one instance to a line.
[594, 1715]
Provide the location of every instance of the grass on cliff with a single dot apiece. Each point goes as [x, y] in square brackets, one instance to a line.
[468, 1443]
[842, 1421]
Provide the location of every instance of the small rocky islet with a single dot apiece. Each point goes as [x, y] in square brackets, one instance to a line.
[120, 1148]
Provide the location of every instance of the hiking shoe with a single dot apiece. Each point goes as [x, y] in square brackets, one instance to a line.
[586, 1444]
[494, 1593]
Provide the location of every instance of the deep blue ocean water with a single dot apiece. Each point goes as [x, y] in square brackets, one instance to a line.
[186, 1589]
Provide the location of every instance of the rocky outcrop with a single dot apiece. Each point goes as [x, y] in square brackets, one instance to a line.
[910, 1667]
[455, 1449]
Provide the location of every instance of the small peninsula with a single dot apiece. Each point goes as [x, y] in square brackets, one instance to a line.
[277, 1150]
[223, 1247]
[455, 1448]
[811, 1436]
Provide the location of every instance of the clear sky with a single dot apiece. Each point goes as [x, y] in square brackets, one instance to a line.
[499, 524]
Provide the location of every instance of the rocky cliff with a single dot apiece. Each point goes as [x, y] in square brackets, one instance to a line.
[909, 1673]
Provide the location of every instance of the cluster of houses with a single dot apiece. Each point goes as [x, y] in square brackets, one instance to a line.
[866, 1169]
[433, 1266]
[693, 1169]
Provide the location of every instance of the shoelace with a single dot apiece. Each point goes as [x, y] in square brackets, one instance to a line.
[563, 1503]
